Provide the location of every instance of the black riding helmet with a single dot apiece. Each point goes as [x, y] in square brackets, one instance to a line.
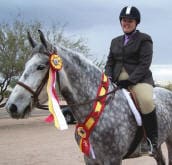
[130, 12]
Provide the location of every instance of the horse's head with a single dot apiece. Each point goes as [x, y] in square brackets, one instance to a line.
[31, 82]
[78, 79]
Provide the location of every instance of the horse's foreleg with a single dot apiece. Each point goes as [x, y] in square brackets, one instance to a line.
[169, 148]
[159, 157]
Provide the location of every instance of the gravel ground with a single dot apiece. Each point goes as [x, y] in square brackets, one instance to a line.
[33, 142]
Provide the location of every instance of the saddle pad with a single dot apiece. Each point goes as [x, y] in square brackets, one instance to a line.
[133, 107]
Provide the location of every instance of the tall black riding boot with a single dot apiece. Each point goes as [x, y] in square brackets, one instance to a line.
[151, 128]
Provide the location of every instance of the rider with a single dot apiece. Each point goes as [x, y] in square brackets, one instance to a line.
[128, 65]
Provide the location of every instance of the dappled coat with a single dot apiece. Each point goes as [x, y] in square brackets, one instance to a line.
[135, 57]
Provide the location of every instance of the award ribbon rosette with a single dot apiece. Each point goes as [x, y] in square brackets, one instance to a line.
[53, 101]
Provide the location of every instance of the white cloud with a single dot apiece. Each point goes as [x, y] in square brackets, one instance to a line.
[162, 73]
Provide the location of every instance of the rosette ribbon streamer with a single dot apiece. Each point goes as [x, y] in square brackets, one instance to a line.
[53, 101]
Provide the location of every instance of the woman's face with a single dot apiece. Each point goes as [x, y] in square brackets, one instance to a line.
[128, 25]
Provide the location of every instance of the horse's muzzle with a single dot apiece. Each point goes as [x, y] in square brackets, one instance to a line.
[13, 111]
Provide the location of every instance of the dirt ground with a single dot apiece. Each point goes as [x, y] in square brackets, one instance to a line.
[33, 142]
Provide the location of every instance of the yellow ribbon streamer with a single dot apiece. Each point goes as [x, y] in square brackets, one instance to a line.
[54, 108]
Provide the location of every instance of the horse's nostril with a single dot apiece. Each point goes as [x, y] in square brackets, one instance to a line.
[13, 108]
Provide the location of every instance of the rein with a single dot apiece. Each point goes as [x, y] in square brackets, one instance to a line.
[2, 105]
[95, 99]
[35, 94]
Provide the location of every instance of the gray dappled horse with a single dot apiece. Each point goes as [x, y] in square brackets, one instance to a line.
[79, 80]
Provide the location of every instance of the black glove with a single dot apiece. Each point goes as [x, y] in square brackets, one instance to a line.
[124, 84]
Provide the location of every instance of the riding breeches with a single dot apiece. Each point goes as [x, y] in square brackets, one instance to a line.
[143, 93]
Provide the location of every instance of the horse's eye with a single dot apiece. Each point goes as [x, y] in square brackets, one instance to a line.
[41, 67]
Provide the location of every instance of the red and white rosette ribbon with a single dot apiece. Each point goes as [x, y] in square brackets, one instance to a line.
[53, 101]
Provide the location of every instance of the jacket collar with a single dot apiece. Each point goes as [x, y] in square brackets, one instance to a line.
[131, 41]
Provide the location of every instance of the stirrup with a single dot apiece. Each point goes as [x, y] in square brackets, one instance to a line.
[146, 148]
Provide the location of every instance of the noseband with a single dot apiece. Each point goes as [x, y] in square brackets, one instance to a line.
[35, 94]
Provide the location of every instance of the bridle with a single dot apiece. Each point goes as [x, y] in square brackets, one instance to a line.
[35, 94]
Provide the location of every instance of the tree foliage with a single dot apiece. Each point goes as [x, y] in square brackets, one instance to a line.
[13, 47]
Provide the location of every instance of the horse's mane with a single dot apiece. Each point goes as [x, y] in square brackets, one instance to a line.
[78, 57]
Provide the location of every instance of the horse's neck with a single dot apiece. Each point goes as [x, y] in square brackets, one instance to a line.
[79, 83]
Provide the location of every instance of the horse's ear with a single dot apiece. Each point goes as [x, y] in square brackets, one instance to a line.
[31, 41]
[42, 38]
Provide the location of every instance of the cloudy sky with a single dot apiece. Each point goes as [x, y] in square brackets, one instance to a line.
[97, 21]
